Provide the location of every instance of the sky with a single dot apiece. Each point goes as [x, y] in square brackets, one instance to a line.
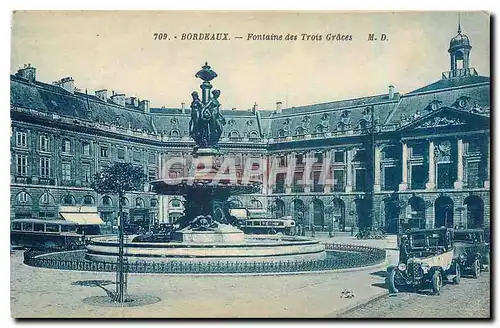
[117, 51]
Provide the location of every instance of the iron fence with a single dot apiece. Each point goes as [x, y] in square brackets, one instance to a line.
[341, 257]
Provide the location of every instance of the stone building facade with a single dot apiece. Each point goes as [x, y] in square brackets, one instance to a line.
[392, 160]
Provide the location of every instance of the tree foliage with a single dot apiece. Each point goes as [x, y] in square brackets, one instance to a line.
[119, 179]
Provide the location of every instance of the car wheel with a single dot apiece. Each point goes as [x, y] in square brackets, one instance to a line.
[437, 282]
[476, 269]
[391, 282]
[456, 280]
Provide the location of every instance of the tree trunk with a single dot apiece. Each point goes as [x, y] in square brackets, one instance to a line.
[120, 265]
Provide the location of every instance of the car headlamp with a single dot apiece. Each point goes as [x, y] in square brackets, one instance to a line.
[401, 267]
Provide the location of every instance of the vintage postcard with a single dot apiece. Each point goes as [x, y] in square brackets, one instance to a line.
[250, 164]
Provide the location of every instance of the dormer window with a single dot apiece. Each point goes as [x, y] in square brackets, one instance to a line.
[434, 105]
[462, 101]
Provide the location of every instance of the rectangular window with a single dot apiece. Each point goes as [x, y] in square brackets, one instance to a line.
[360, 156]
[318, 158]
[445, 176]
[391, 178]
[87, 174]
[86, 149]
[44, 143]
[121, 153]
[44, 167]
[339, 156]
[136, 155]
[361, 180]
[152, 174]
[22, 165]
[21, 139]
[299, 159]
[418, 177]
[280, 183]
[282, 161]
[317, 184]
[152, 158]
[66, 171]
[418, 150]
[298, 184]
[338, 180]
[473, 176]
[104, 151]
[66, 146]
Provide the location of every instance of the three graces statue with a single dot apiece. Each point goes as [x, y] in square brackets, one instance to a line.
[206, 124]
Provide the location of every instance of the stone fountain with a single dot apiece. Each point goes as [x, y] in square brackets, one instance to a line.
[206, 231]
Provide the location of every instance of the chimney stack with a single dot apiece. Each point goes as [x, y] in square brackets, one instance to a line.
[67, 83]
[144, 106]
[28, 72]
[391, 92]
[102, 94]
[118, 98]
[183, 107]
[279, 107]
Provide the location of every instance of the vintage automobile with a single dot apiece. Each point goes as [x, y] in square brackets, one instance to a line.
[426, 258]
[472, 251]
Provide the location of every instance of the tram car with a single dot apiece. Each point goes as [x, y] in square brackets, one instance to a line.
[269, 226]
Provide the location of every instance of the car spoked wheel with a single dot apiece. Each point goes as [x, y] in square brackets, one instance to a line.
[437, 282]
[476, 269]
[391, 282]
[456, 279]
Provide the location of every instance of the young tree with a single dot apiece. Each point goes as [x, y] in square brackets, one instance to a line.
[119, 179]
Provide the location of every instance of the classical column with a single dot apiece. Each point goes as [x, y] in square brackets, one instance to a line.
[348, 186]
[376, 178]
[404, 166]
[487, 181]
[326, 171]
[431, 185]
[309, 160]
[460, 164]
[265, 175]
[290, 163]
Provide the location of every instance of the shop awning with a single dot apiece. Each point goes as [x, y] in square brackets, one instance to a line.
[82, 218]
[80, 214]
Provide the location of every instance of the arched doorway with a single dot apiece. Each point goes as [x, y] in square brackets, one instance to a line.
[415, 214]
[319, 213]
[339, 213]
[298, 210]
[443, 212]
[280, 208]
[362, 213]
[391, 213]
[475, 211]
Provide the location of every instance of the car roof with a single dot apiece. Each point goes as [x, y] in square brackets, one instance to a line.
[419, 231]
[468, 230]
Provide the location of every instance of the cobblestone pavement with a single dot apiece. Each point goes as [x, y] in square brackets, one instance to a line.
[39, 292]
[470, 299]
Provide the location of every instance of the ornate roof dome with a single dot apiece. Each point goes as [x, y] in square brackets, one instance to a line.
[460, 40]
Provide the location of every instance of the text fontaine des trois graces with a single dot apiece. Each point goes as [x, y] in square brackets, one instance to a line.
[222, 36]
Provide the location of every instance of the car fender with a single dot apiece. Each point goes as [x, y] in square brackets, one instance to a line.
[434, 269]
[391, 267]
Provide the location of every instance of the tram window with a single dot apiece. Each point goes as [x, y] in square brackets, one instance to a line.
[67, 228]
[281, 224]
[52, 228]
[38, 227]
[257, 223]
[28, 226]
[16, 226]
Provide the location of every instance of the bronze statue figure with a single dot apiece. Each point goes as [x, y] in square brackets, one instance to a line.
[206, 124]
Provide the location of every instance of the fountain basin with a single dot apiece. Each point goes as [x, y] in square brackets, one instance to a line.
[252, 248]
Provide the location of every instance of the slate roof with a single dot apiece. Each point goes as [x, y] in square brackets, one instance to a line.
[243, 123]
[477, 94]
